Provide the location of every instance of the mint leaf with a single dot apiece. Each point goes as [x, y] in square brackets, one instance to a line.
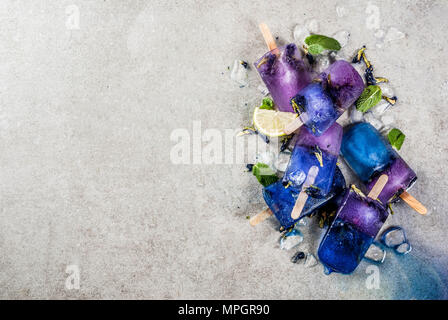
[369, 98]
[317, 43]
[396, 138]
[268, 104]
[264, 174]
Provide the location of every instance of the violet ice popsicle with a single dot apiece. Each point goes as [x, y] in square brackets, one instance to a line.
[284, 74]
[357, 222]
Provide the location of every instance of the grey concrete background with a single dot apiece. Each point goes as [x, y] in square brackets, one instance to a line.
[85, 123]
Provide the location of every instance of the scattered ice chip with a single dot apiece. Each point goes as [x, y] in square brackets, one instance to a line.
[302, 222]
[321, 63]
[376, 123]
[387, 90]
[339, 55]
[341, 12]
[290, 239]
[313, 25]
[355, 115]
[300, 33]
[393, 34]
[262, 88]
[267, 157]
[379, 33]
[403, 248]
[239, 73]
[342, 36]
[380, 108]
[282, 160]
[444, 89]
[375, 253]
[388, 120]
[298, 257]
[298, 178]
[311, 260]
[393, 237]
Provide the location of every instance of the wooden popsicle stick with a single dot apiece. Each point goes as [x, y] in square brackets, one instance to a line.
[292, 126]
[378, 187]
[413, 203]
[260, 217]
[303, 196]
[268, 38]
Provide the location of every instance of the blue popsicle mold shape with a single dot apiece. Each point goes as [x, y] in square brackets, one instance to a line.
[365, 151]
[281, 200]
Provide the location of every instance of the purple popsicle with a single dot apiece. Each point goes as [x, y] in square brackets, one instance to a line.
[284, 73]
[310, 151]
[370, 155]
[401, 178]
[321, 104]
[343, 83]
[357, 222]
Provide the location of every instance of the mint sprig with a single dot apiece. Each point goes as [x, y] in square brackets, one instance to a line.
[396, 138]
[264, 174]
[317, 43]
[268, 104]
[369, 98]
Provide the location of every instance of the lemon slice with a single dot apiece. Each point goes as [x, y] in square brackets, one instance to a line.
[271, 122]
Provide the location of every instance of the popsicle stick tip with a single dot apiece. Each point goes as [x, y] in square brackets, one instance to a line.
[292, 126]
[260, 217]
[303, 196]
[268, 38]
[413, 203]
[378, 187]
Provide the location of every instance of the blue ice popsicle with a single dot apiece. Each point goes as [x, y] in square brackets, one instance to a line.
[357, 222]
[370, 155]
[310, 150]
[281, 200]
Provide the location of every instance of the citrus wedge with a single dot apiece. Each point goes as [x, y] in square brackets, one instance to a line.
[271, 122]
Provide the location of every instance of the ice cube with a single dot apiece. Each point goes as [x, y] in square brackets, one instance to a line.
[262, 88]
[267, 157]
[376, 123]
[375, 253]
[298, 178]
[290, 239]
[313, 25]
[342, 36]
[403, 248]
[282, 160]
[239, 73]
[380, 108]
[393, 34]
[310, 261]
[379, 33]
[387, 90]
[393, 237]
[300, 33]
[355, 115]
[341, 11]
[388, 120]
[321, 63]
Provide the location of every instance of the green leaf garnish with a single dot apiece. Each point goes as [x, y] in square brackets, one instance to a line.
[264, 174]
[369, 98]
[396, 138]
[268, 104]
[317, 43]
